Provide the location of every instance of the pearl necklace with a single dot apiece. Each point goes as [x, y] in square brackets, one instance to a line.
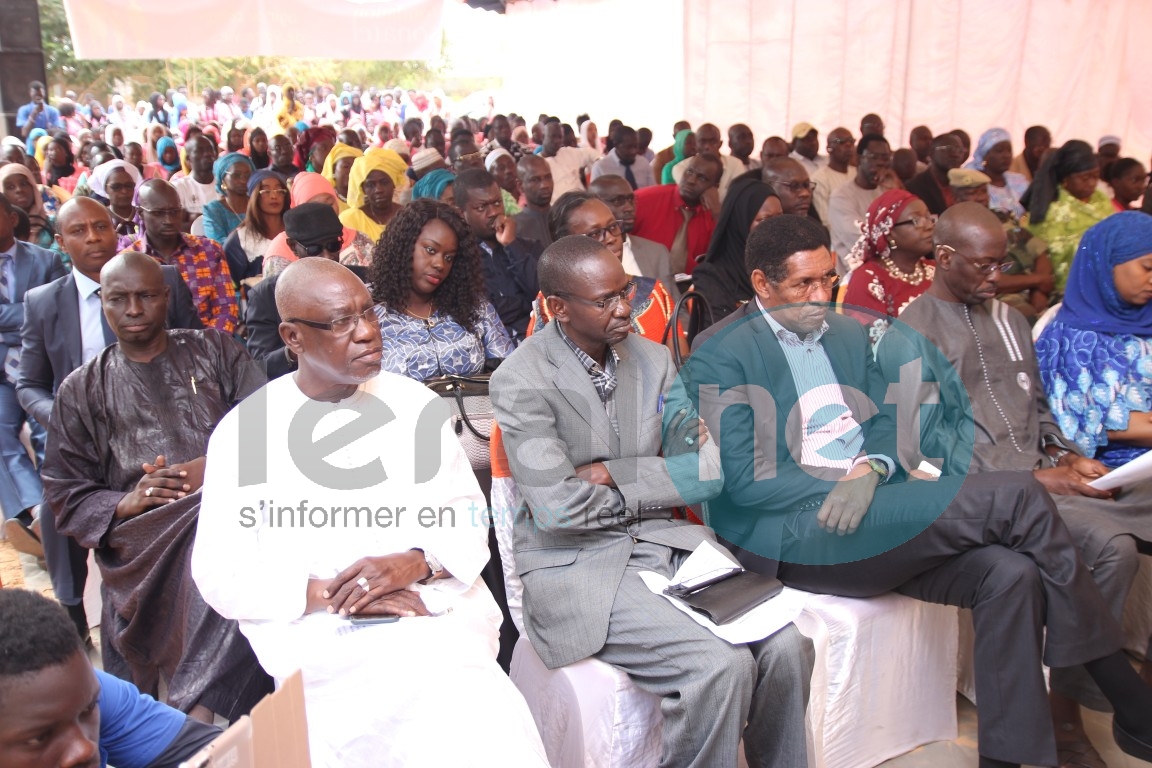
[918, 275]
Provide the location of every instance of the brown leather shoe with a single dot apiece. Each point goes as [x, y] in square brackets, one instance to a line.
[23, 538]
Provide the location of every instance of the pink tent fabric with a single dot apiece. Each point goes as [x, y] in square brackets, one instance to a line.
[333, 29]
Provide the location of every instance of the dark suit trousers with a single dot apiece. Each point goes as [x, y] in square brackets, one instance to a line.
[1000, 549]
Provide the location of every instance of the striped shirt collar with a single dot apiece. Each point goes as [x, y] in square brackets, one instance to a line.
[603, 378]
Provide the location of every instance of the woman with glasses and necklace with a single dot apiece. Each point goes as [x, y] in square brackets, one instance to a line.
[263, 221]
[893, 254]
[650, 305]
[428, 282]
[114, 183]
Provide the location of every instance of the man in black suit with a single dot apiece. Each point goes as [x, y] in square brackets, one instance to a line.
[22, 267]
[63, 328]
[312, 230]
[807, 428]
[509, 261]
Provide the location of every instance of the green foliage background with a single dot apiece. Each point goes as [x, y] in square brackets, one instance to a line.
[142, 76]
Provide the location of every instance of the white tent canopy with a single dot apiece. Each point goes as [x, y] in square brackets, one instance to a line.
[1073, 65]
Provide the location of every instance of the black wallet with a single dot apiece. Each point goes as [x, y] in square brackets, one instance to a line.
[728, 599]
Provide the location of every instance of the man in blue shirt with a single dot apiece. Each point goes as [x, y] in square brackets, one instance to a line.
[57, 712]
[36, 114]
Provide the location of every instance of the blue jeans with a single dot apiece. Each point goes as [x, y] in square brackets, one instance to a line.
[20, 486]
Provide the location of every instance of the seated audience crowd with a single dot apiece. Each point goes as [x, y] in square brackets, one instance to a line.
[218, 314]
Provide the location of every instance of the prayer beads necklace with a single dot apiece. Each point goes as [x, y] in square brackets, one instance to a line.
[987, 381]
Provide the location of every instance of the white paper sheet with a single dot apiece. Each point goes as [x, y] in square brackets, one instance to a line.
[760, 622]
[1140, 468]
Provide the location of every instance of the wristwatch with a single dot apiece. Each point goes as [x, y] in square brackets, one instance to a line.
[433, 563]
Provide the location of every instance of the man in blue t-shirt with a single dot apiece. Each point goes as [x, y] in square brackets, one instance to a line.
[36, 114]
[58, 712]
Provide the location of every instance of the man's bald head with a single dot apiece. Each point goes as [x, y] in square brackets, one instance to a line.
[158, 193]
[965, 222]
[563, 264]
[789, 180]
[708, 139]
[135, 303]
[80, 207]
[304, 288]
[138, 266]
[971, 244]
[329, 324]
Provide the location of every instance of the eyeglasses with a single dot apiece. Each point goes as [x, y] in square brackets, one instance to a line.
[165, 213]
[984, 269]
[619, 201]
[608, 304]
[885, 157]
[125, 186]
[602, 234]
[838, 142]
[277, 192]
[808, 286]
[315, 249]
[342, 326]
[796, 187]
[919, 221]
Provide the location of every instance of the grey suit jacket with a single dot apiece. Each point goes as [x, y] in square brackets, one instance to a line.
[32, 266]
[53, 346]
[573, 539]
[655, 261]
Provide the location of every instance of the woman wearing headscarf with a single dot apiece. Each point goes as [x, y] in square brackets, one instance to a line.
[436, 185]
[61, 169]
[222, 216]
[310, 187]
[1096, 356]
[893, 258]
[24, 191]
[722, 277]
[313, 146]
[338, 167]
[589, 137]
[114, 137]
[1095, 362]
[1063, 202]
[246, 247]
[371, 183]
[167, 158]
[993, 156]
[257, 143]
[114, 183]
[682, 149]
[502, 165]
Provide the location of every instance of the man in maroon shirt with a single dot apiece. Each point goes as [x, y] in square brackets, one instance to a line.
[675, 215]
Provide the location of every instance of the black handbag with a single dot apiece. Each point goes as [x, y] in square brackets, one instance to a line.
[471, 408]
[698, 310]
[472, 415]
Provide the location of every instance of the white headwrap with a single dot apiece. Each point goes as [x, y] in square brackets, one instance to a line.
[99, 179]
[494, 155]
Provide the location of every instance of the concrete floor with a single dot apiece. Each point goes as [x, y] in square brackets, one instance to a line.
[960, 753]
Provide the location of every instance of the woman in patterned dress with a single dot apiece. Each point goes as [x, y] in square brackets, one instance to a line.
[427, 277]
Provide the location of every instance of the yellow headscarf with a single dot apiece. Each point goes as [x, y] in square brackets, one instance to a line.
[41, 147]
[339, 150]
[377, 159]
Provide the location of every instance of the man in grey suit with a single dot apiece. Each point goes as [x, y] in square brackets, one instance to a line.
[582, 407]
[63, 328]
[22, 266]
[651, 258]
